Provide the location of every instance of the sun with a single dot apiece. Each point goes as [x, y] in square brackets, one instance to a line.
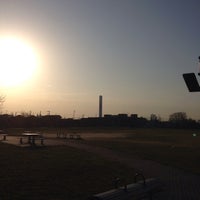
[18, 62]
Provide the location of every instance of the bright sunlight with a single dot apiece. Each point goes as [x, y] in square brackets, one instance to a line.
[18, 62]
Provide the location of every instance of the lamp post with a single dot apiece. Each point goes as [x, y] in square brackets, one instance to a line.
[191, 81]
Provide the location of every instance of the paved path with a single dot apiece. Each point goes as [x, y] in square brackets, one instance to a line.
[179, 185]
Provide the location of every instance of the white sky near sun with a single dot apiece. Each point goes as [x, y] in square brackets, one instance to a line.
[132, 52]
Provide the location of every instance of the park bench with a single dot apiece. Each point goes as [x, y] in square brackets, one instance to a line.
[144, 189]
[41, 139]
[75, 136]
[61, 134]
[24, 140]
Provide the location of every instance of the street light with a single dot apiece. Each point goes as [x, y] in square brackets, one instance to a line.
[191, 81]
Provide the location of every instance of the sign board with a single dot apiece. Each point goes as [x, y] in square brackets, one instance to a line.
[191, 82]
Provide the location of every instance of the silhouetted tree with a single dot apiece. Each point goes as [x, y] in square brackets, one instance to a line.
[2, 100]
[153, 117]
[178, 116]
[179, 120]
[155, 120]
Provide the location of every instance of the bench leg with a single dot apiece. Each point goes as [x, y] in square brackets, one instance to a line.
[4, 137]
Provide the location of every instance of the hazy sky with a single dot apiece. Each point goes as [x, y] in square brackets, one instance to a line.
[133, 52]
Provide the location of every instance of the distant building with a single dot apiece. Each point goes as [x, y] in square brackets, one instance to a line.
[108, 116]
[121, 115]
[134, 116]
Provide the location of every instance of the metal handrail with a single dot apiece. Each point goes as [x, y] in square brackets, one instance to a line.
[140, 174]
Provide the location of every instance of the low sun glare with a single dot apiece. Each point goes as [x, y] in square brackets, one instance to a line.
[18, 62]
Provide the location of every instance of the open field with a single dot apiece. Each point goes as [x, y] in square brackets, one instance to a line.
[55, 173]
[174, 147]
[63, 172]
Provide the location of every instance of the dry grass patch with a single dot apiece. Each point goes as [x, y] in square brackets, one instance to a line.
[51, 173]
[168, 146]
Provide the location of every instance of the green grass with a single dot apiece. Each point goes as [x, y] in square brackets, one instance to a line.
[55, 173]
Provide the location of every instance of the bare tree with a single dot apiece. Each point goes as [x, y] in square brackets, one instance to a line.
[2, 100]
[153, 117]
[178, 116]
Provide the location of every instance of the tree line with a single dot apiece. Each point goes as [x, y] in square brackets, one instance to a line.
[28, 120]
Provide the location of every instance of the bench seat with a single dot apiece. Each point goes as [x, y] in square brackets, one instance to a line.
[134, 191]
[21, 140]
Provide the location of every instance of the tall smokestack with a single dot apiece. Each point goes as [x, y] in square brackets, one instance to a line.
[100, 105]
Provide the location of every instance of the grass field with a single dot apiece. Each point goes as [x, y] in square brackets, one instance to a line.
[61, 172]
[175, 147]
[55, 173]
